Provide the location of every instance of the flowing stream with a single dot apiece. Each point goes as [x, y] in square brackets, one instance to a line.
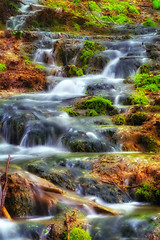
[44, 125]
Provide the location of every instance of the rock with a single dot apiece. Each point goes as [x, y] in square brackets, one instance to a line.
[78, 141]
[98, 88]
[109, 193]
[66, 50]
[97, 62]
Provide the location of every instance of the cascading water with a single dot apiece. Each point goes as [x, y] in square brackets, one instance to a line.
[33, 126]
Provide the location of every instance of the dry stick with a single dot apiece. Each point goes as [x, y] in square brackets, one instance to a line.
[68, 226]
[5, 186]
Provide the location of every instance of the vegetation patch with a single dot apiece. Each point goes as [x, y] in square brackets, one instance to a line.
[149, 23]
[77, 233]
[147, 81]
[156, 4]
[139, 98]
[70, 112]
[119, 120]
[99, 104]
[149, 143]
[88, 50]
[2, 66]
[148, 192]
[72, 71]
[137, 119]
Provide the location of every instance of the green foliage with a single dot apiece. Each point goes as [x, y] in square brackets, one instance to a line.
[120, 18]
[89, 49]
[76, 1]
[91, 113]
[13, 5]
[149, 23]
[70, 111]
[40, 66]
[74, 71]
[139, 98]
[147, 81]
[119, 120]
[77, 233]
[137, 119]
[98, 104]
[156, 4]
[2, 66]
[94, 7]
[35, 24]
[148, 192]
[18, 33]
[27, 60]
[149, 143]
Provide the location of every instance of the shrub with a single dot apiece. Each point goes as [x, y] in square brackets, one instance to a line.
[137, 119]
[2, 66]
[119, 120]
[77, 233]
[149, 143]
[139, 98]
[149, 23]
[99, 104]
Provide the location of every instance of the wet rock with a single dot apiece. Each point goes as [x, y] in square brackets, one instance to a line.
[96, 89]
[109, 193]
[13, 126]
[97, 62]
[65, 51]
[78, 141]
[61, 177]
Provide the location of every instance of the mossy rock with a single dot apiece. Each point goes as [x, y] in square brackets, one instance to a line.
[98, 104]
[137, 119]
[72, 71]
[149, 192]
[148, 142]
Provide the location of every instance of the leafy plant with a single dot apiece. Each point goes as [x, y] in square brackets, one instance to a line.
[11, 4]
[18, 33]
[139, 98]
[74, 71]
[94, 7]
[147, 81]
[2, 66]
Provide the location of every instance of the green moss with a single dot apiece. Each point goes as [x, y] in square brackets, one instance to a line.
[119, 120]
[149, 23]
[145, 68]
[2, 66]
[139, 98]
[149, 143]
[74, 71]
[89, 49]
[13, 5]
[148, 192]
[142, 80]
[77, 233]
[156, 4]
[98, 104]
[91, 113]
[40, 66]
[70, 111]
[137, 119]
[18, 33]
[94, 7]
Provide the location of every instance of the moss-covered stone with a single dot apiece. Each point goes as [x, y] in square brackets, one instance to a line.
[98, 104]
[148, 142]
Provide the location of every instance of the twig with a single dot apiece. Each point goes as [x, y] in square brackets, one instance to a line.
[4, 190]
[68, 226]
